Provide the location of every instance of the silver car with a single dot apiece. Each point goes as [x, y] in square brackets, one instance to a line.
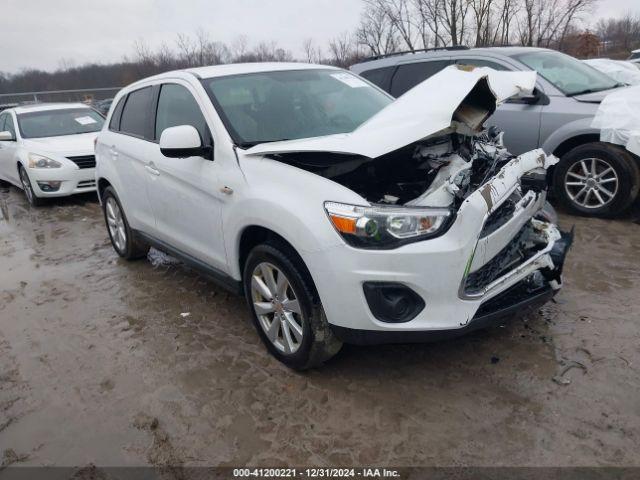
[593, 177]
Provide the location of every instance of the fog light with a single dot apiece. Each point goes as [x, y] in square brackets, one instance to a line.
[49, 186]
[392, 302]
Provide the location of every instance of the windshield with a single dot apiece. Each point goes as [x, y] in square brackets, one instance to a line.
[287, 105]
[568, 74]
[55, 123]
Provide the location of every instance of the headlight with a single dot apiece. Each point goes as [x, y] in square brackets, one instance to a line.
[386, 227]
[38, 161]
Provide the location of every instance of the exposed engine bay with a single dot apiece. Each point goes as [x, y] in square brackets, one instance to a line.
[440, 171]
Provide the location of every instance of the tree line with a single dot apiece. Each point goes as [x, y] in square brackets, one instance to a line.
[386, 26]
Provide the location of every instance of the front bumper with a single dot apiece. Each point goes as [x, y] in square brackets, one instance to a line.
[516, 300]
[72, 180]
[438, 269]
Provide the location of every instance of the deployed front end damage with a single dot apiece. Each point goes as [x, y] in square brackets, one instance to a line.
[489, 247]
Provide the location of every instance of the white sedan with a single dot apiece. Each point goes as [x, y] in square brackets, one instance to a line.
[620, 70]
[48, 149]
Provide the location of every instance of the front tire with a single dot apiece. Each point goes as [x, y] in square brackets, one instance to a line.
[285, 309]
[123, 239]
[597, 179]
[32, 198]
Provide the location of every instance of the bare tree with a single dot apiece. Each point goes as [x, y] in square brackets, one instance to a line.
[376, 30]
[313, 53]
[430, 15]
[454, 14]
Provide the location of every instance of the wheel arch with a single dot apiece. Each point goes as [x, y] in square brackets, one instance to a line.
[570, 143]
[103, 183]
[254, 235]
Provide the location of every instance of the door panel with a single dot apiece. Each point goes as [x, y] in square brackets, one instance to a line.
[187, 207]
[184, 192]
[130, 157]
[521, 125]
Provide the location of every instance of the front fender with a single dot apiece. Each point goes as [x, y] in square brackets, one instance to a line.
[582, 126]
[288, 201]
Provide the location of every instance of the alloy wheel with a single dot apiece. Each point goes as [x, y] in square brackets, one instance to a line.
[26, 184]
[277, 308]
[115, 223]
[591, 183]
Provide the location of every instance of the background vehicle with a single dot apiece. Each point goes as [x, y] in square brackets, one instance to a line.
[103, 105]
[635, 56]
[47, 149]
[593, 177]
[328, 204]
[620, 70]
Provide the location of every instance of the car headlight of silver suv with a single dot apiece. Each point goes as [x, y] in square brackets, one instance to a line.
[387, 227]
[40, 161]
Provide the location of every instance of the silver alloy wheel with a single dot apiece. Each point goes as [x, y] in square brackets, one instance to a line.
[277, 307]
[591, 183]
[115, 223]
[26, 184]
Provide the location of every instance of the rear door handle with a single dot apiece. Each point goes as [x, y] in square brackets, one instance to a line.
[152, 170]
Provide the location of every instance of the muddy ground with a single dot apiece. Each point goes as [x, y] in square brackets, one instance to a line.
[99, 366]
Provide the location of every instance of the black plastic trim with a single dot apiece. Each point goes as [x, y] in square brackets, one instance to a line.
[480, 321]
[382, 298]
[219, 277]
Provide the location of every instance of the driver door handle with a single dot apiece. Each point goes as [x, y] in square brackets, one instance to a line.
[152, 170]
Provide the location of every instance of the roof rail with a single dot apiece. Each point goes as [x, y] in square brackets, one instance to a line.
[420, 50]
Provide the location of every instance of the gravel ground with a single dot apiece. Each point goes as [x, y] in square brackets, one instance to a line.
[100, 365]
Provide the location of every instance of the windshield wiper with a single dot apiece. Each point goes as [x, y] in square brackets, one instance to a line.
[258, 142]
[595, 90]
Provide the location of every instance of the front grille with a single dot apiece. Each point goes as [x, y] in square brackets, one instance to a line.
[522, 247]
[84, 161]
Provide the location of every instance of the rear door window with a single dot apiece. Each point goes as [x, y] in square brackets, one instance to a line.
[136, 115]
[176, 106]
[2, 118]
[411, 74]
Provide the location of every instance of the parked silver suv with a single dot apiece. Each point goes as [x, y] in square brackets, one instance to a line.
[593, 177]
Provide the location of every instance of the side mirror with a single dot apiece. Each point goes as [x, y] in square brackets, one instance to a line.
[537, 97]
[181, 142]
[7, 136]
[529, 99]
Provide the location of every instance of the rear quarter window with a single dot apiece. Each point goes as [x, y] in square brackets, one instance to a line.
[380, 77]
[114, 123]
[409, 75]
[136, 114]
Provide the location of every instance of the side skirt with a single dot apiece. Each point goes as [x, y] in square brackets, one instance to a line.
[217, 276]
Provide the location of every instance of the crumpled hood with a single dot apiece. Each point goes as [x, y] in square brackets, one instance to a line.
[64, 144]
[455, 97]
[618, 118]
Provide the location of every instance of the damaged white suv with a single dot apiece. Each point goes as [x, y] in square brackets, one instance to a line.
[343, 215]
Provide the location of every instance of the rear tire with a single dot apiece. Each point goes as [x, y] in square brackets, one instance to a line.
[597, 179]
[123, 239]
[285, 307]
[32, 198]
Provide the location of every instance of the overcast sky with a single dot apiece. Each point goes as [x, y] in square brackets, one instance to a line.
[40, 33]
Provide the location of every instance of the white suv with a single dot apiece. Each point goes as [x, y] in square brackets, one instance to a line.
[47, 149]
[342, 215]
